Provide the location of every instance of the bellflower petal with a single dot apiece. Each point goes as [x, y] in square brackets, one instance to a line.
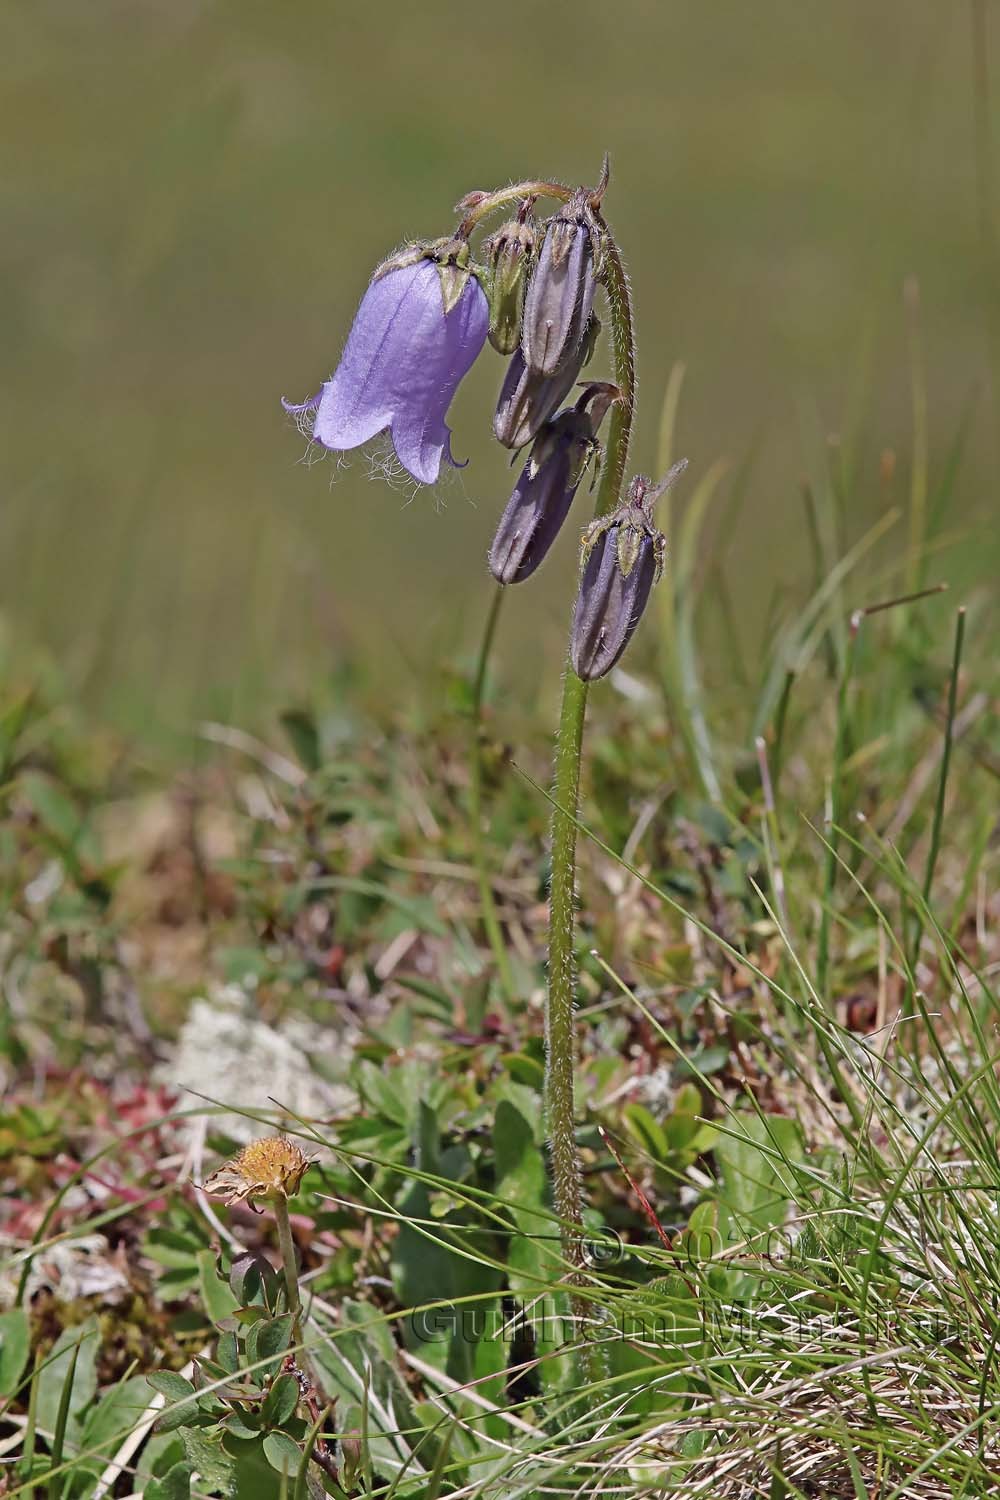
[402, 363]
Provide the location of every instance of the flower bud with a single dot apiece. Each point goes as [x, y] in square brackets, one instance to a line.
[527, 399]
[509, 254]
[546, 486]
[561, 290]
[352, 1454]
[622, 559]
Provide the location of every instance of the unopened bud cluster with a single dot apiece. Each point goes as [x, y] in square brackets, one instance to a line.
[422, 323]
[558, 331]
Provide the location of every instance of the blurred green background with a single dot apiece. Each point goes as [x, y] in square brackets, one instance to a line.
[195, 191]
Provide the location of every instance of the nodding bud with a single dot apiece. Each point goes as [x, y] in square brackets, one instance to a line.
[561, 290]
[622, 559]
[509, 255]
[544, 491]
[527, 399]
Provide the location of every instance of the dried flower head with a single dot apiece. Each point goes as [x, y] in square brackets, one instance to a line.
[272, 1167]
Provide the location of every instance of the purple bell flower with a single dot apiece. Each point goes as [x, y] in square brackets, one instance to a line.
[413, 339]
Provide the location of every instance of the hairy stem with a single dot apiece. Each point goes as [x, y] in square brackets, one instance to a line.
[490, 202]
[287, 1247]
[560, 1037]
[491, 921]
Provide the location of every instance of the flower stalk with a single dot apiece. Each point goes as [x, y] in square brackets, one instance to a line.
[269, 1170]
[286, 1244]
[560, 1034]
[491, 921]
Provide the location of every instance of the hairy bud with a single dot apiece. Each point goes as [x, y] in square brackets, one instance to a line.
[547, 484]
[509, 253]
[561, 290]
[622, 558]
[527, 399]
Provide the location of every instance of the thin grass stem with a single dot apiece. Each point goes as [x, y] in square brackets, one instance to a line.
[836, 807]
[491, 920]
[942, 787]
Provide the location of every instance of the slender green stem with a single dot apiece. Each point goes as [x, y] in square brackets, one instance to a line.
[491, 922]
[836, 806]
[946, 756]
[918, 474]
[942, 788]
[287, 1247]
[560, 1036]
[490, 202]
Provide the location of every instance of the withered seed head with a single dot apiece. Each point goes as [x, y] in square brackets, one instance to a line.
[272, 1167]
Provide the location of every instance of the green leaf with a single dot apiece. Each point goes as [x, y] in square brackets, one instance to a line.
[522, 1185]
[53, 807]
[242, 1424]
[381, 1090]
[282, 1453]
[245, 1279]
[755, 1155]
[218, 1299]
[176, 1389]
[227, 1353]
[213, 1463]
[54, 1372]
[168, 1383]
[647, 1131]
[300, 727]
[281, 1400]
[175, 1484]
[158, 1455]
[116, 1413]
[169, 1247]
[14, 1344]
[524, 1069]
[268, 1339]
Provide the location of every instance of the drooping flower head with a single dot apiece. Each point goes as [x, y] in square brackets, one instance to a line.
[622, 558]
[560, 295]
[420, 326]
[560, 456]
[527, 400]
